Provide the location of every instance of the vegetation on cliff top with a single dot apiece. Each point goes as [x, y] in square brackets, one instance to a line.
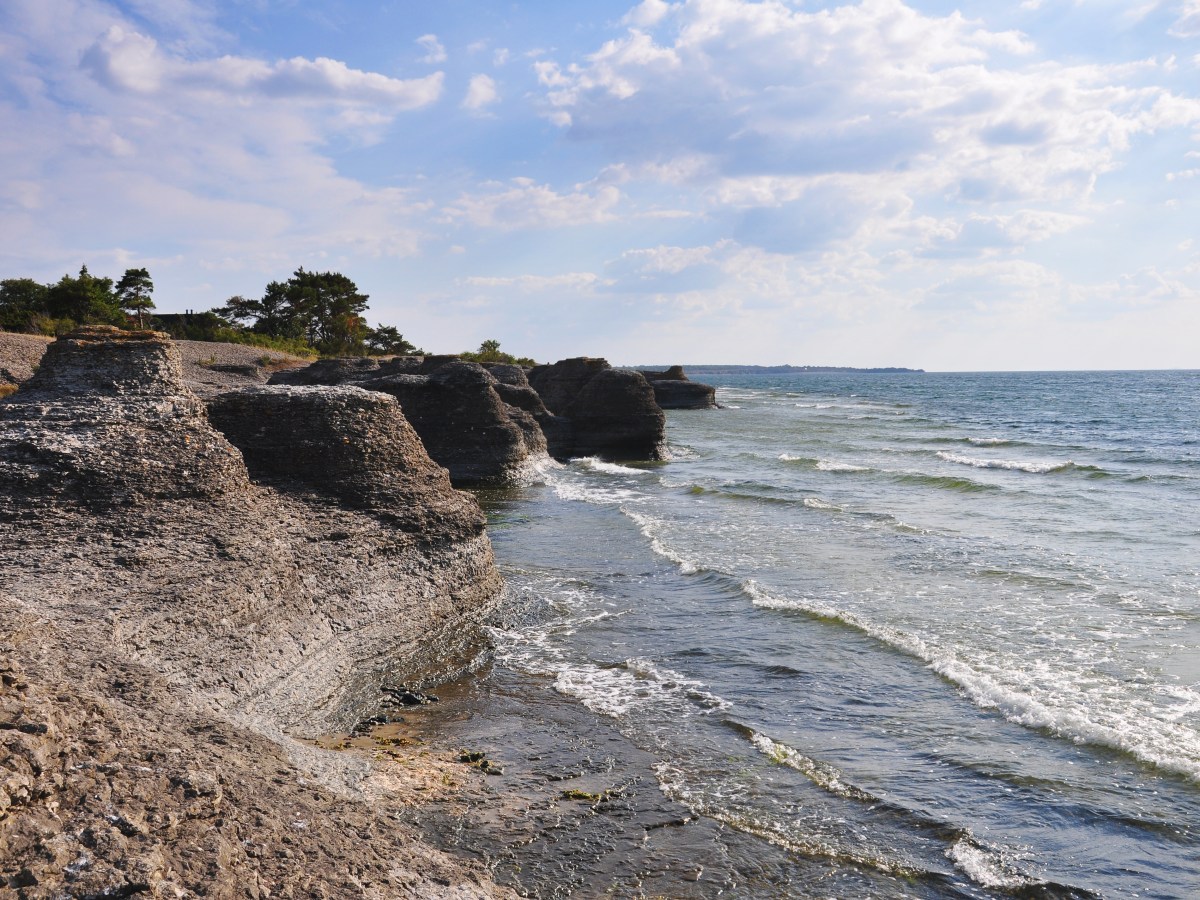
[312, 313]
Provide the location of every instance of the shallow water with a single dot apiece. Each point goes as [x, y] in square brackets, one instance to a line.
[939, 632]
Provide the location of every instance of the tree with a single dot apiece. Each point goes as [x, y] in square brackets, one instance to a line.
[85, 299]
[489, 352]
[323, 308]
[22, 303]
[133, 293]
[386, 340]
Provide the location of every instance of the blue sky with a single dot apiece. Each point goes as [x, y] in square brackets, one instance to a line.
[946, 185]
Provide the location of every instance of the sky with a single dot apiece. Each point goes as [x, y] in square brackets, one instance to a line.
[950, 186]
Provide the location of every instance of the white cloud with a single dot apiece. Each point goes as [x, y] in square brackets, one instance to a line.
[1188, 23]
[481, 92]
[647, 14]
[524, 204]
[434, 51]
[771, 97]
[127, 61]
[531, 283]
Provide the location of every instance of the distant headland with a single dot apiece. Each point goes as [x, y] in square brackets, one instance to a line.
[700, 369]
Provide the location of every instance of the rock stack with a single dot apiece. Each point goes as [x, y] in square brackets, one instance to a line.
[609, 412]
[673, 390]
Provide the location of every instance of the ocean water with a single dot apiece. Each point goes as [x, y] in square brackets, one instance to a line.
[937, 634]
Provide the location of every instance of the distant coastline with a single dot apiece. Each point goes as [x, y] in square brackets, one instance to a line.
[782, 370]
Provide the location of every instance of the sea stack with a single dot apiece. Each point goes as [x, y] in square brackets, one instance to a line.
[674, 390]
[609, 412]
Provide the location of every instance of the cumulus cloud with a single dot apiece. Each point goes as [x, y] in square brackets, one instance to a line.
[778, 111]
[1188, 23]
[124, 60]
[434, 51]
[522, 203]
[481, 92]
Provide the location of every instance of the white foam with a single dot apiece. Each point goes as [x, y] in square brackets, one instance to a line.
[788, 457]
[987, 441]
[826, 465]
[821, 774]
[986, 867]
[818, 503]
[616, 690]
[650, 528]
[599, 465]
[1033, 694]
[1036, 468]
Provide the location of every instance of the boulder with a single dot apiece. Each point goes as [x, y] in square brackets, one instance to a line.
[599, 410]
[673, 390]
[176, 628]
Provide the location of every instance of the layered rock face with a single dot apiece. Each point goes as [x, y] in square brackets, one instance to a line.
[107, 421]
[188, 596]
[457, 408]
[609, 412]
[673, 390]
[351, 444]
[464, 423]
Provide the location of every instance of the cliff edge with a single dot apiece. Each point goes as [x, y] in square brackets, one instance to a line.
[173, 621]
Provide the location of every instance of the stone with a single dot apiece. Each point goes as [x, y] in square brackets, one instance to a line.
[464, 423]
[175, 616]
[107, 421]
[601, 411]
[673, 390]
[351, 444]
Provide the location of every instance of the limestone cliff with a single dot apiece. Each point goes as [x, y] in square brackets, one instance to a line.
[158, 598]
[608, 412]
[456, 407]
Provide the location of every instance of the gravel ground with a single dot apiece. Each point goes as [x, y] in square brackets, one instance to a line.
[19, 354]
[210, 368]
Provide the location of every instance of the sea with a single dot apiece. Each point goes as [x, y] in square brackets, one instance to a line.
[925, 634]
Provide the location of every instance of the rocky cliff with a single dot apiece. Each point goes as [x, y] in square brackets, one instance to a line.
[608, 412]
[456, 407]
[168, 615]
[674, 390]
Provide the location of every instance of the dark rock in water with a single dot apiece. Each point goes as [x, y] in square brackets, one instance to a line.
[673, 390]
[602, 411]
[408, 697]
[433, 362]
[558, 384]
[349, 443]
[107, 421]
[464, 423]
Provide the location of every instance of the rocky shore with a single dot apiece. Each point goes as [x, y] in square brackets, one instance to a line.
[193, 591]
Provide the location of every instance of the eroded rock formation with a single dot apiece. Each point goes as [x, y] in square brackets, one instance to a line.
[464, 420]
[608, 412]
[167, 614]
[674, 390]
